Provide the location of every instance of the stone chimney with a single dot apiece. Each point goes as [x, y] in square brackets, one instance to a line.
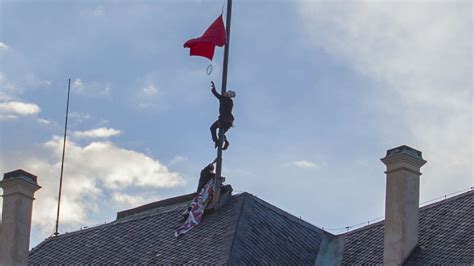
[401, 203]
[18, 189]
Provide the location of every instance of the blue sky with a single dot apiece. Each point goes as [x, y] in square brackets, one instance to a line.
[323, 90]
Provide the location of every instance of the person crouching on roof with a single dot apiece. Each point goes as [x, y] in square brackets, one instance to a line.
[207, 173]
[226, 119]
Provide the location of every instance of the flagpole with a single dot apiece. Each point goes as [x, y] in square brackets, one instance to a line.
[218, 183]
[56, 233]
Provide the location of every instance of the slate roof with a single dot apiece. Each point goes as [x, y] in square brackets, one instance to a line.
[247, 230]
[446, 236]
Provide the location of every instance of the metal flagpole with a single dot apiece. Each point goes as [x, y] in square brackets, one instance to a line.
[56, 233]
[218, 183]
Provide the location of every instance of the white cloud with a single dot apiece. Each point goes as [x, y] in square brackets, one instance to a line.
[128, 200]
[90, 172]
[98, 11]
[11, 107]
[77, 84]
[150, 90]
[43, 121]
[41, 82]
[7, 117]
[148, 96]
[304, 164]
[177, 159]
[10, 90]
[421, 53]
[7, 86]
[78, 118]
[90, 88]
[97, 133]
[19, 108]
[117, 167]
[3, 47]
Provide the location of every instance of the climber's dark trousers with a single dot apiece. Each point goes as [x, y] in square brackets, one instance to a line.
[219, 124]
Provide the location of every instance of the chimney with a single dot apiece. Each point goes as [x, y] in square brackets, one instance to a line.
[18, 189]
[401, 203]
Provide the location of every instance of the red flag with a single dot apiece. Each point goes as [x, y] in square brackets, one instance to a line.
[214, 36]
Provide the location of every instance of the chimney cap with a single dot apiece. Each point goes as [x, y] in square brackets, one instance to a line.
[406, 150]
[20, 173]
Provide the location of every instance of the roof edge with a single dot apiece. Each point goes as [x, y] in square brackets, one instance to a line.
[461, 195]
[234, 233]
[289, 215]
[429, 206]
[150, 206]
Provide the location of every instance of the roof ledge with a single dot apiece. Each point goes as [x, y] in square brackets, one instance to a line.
[226, 193]
[156, 204]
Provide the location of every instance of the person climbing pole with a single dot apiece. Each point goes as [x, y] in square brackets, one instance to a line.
[207, 173]
[226, 119]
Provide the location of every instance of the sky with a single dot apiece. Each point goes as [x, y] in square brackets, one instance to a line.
[323, 90]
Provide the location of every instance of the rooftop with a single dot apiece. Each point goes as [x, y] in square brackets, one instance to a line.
[247, 230]
[446, 236]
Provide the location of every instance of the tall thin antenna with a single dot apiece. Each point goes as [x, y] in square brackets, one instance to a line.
[56, 233]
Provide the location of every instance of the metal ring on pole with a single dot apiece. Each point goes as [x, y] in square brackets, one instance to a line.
[209, 69]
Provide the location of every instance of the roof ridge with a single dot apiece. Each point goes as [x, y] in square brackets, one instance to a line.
[287, 214]
[245, 195]
[135, 217]
[69, 234]
[37, 247]
[445, 200]
[365, 227]
[156, 204]
[65, 235]
[429, 206]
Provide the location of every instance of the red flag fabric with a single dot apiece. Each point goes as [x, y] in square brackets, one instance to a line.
[214, 36]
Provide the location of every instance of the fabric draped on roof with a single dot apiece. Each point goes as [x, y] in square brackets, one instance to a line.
[195, 211]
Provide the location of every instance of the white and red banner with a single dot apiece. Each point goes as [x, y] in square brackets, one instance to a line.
[198, 205]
